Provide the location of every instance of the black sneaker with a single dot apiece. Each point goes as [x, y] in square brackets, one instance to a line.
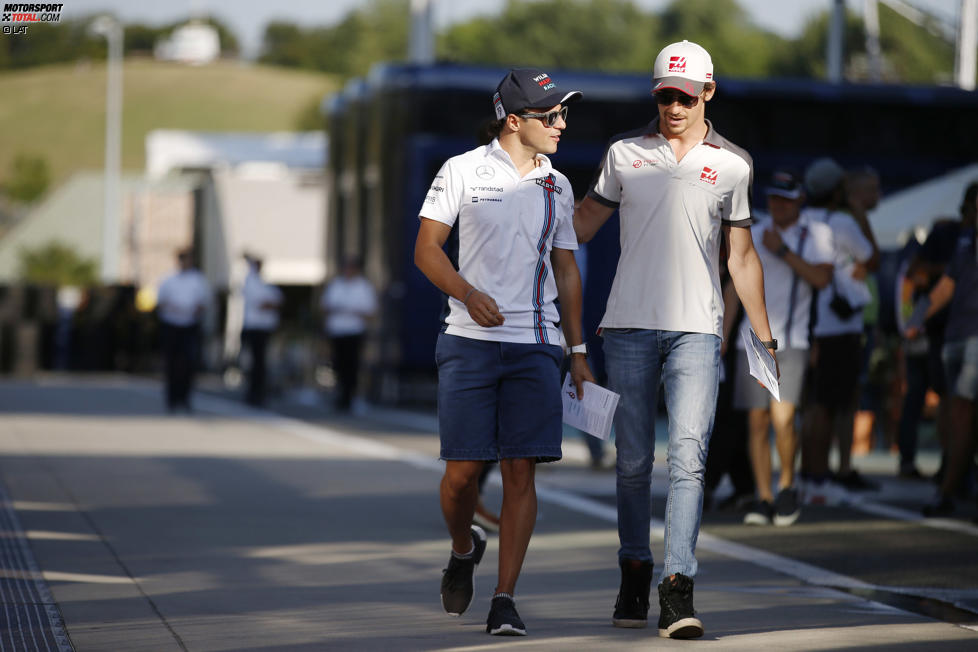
[910, 472]
[854, 481]
[503, 619]
[456, 580]
[942, 506]
[677, 618]
[786, 509]
[760, 513]
[735, 503]
[632, 605]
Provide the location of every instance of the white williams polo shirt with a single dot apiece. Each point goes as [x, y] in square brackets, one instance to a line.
[506, 227]
[668, 274]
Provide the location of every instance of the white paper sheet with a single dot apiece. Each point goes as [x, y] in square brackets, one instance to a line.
[762, 365]
[594, 413]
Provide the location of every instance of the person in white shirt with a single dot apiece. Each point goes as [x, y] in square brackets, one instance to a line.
[680, 188]
[838, 331]
[796, 254]
[507, 215]
[348, 302]
[262, 303]
[182, 300]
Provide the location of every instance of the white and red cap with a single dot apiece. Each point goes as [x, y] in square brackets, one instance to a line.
[684, 66]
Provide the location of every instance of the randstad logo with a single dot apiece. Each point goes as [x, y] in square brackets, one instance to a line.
[677, 64]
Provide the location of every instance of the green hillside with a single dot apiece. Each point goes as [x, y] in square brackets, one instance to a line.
[58, 112]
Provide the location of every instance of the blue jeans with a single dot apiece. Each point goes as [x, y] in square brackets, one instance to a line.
[687, 364]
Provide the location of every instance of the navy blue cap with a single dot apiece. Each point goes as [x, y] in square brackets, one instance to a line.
[525, 88]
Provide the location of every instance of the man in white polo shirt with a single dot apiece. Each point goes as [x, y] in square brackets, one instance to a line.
[679, 187]
[796, 254]
[507, 215]
[181, 302]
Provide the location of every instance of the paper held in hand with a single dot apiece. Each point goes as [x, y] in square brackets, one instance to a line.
[593, 414]
[762, 365]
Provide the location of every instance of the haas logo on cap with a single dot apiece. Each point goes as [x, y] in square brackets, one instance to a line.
[677, 64]
[709, 176]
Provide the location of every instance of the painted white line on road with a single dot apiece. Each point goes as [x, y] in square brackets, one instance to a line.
[900, 514]
[58, 576]
[370, 448]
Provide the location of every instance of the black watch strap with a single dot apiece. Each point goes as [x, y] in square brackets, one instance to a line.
[770, 344]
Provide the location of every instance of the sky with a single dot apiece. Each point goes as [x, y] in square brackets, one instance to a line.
[247, 18]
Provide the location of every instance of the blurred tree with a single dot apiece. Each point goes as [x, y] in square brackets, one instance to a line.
[311, 118]
[609, 35]
[56, 264]
[911, 54]
[378, 32]
[140, 38]
[70, 40]
[50, 43]
[29, 178]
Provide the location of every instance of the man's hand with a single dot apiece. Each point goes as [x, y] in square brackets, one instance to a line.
[580, 371]
[772, 240]
[483, 310]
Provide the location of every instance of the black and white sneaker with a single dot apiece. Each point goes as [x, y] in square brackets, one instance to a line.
[632, 605]
[677, 619]
[786, 509]
[456, 580]
[761, 512]
[503, 619]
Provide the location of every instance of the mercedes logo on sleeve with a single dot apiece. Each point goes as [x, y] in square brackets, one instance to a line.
[485, 172]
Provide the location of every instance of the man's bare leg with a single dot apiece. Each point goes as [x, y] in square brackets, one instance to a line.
[517, 519]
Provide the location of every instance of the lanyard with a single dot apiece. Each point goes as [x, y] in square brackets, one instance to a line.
[794, 288]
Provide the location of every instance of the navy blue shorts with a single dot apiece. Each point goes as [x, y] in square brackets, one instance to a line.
[498, 400]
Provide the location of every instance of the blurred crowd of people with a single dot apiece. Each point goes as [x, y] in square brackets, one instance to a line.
[347, 303]
[848, 376]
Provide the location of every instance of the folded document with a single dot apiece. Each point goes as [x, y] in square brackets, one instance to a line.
[594, 413]
[762, 364]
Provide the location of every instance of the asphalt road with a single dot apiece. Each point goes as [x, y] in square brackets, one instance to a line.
[125, 528]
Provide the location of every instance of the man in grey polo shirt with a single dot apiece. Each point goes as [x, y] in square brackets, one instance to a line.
[679, 187]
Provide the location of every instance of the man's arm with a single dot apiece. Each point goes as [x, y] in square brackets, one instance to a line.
[434, 263]
[818, 275]
[568, 279]
[939, 296]
[748, 278]
[589, 216]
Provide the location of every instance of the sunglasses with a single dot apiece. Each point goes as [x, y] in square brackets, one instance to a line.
[549, 118]
[667, 97]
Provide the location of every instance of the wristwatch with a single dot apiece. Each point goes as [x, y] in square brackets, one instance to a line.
[770, 344]
[782, 251]
[580, 348]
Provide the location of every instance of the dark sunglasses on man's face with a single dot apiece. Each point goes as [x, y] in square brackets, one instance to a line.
[549, 118]
[667, 97]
